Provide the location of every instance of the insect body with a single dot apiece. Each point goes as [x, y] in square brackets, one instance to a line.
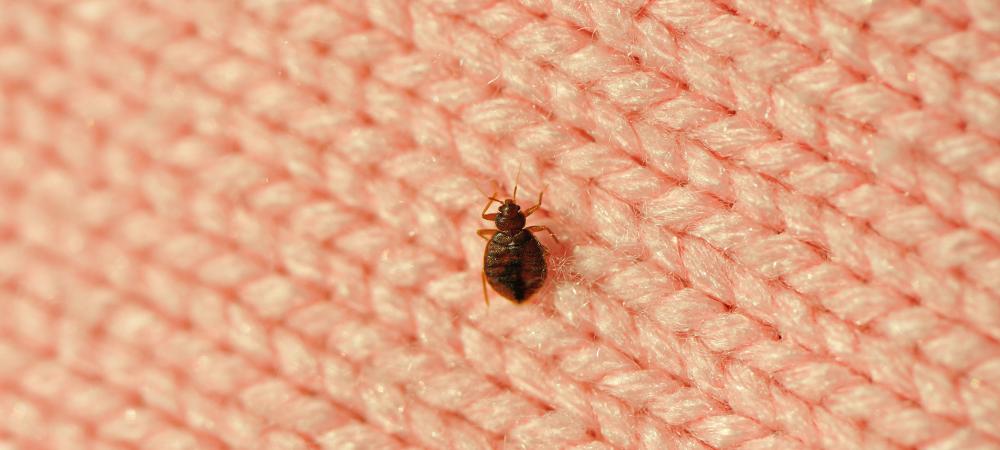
[514, 260]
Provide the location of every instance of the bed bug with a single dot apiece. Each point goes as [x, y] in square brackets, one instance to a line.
[514, 261]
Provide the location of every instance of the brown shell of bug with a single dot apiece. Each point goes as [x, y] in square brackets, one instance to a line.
[514, 261]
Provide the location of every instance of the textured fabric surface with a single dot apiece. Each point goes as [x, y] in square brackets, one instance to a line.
[252, 224]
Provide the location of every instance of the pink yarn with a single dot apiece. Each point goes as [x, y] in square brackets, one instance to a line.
[252, 224]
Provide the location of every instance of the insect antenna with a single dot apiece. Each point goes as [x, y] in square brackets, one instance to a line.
[490, 196]
[517, 178]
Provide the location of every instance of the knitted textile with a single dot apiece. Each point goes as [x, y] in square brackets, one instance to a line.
[252, 224]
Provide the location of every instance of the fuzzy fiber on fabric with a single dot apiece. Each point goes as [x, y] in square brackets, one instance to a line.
[252, 224]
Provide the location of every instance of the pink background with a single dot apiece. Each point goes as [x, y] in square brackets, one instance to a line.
[251, 224]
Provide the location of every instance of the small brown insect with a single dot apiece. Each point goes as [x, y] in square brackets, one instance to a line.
[514, 260]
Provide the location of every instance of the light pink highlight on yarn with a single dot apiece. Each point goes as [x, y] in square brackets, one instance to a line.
[252, 224]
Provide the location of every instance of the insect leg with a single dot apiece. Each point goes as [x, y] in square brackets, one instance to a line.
[536, 228]
[490, 216]
[486, 296]
[528, 211]
[486, 233]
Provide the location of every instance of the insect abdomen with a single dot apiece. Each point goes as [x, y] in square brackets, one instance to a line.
[515, 267]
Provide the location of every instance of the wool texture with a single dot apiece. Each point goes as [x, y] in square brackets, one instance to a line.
[251, 224]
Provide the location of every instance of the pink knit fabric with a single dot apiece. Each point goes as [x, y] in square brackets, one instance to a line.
[252, 224]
